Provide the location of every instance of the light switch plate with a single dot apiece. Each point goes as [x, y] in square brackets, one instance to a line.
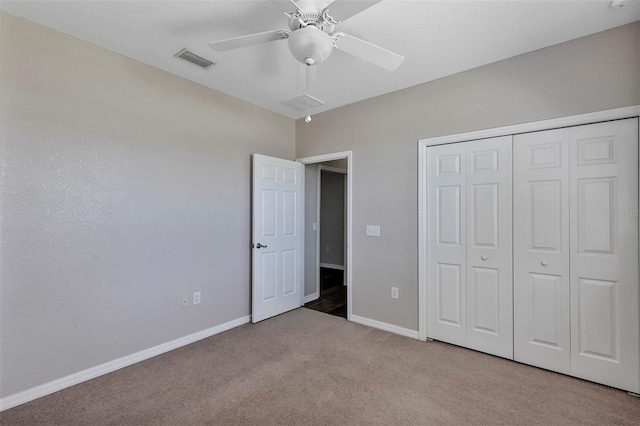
[373, 231]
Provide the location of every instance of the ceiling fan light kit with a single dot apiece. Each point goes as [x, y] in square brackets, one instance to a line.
[310, 46]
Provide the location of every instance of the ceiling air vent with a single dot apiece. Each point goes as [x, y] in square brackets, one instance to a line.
[194, 59]
[303, 103]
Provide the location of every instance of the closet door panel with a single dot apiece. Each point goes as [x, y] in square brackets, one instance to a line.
[604, 253]
[489, 246]
[541, 249]
[446, 217]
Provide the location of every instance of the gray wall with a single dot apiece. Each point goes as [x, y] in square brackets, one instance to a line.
[332, 218]
[593, 73]
[123, 187]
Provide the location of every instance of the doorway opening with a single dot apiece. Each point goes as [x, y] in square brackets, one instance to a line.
[327, 262]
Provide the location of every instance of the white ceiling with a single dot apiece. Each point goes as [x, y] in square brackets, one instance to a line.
[438, 38]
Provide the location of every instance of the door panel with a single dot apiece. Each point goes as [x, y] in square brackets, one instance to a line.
[446, 228]
[277, 236]
[485, 215]
[595, 229]
[545, 311]
[486, 301]
[289, 271]
[597, 305]
[541, 249]
[604, 255]
[489, 246]
[546, 223]
[448, 216]
[268, 213]
[267, 262]
[448, 294]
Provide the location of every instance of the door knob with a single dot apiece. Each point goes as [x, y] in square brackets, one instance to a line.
[261, 246]
[483, 257]
[544, 263]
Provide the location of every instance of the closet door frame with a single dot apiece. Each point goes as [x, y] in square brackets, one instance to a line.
[574, 120]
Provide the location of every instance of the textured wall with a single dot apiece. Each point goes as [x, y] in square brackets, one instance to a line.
[122, 188]
[594, 73]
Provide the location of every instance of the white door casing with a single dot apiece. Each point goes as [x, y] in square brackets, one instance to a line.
[347, 155]
[604, 253]
[277, 236]
[489, 252]
[541, 249]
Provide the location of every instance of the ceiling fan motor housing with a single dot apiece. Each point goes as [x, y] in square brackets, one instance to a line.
[310, 45]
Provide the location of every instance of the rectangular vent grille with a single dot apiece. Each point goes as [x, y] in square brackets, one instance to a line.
[303, 103]
[194, 59]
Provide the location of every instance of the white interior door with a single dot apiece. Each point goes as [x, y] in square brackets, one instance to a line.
[446, 230]
[541, 249]
[277, 239]
[604, 253]
[489, 246]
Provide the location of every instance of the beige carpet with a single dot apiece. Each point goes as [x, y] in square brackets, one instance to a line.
[306, 367]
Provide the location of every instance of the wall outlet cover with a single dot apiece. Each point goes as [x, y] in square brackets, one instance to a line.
[373, 231]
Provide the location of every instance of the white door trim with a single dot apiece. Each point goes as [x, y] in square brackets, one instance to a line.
[574, 120]
[339, 156]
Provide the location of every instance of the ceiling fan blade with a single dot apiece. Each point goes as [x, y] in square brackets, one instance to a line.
[285, 5]
[248, 40]
[369, 52]
[340, 11]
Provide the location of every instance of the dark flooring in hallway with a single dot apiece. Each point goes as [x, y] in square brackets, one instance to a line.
[333, 294]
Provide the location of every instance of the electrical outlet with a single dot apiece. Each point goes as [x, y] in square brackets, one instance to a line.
[394, 292]
[196, 297]
[184, 302]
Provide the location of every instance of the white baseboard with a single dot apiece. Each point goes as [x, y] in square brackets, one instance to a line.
[385, 326]
[311, 297]
[108, 367]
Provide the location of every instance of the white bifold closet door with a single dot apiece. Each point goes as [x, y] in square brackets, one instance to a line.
[470, 245]
[576, 306]
[605, 325]
[541, 249]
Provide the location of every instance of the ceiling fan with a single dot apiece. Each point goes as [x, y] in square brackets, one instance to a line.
[312, 36]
